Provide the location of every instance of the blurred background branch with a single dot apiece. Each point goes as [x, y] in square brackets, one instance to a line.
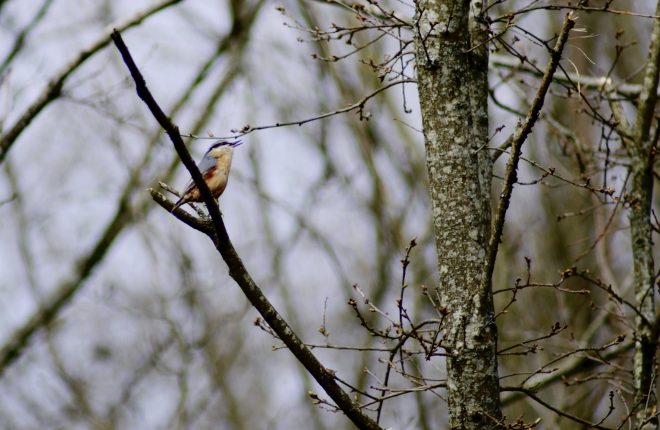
[114, 316]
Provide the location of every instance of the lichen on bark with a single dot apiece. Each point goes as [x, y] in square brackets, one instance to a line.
[453, 85]
[641, 150]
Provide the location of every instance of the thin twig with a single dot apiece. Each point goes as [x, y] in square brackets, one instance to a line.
[558, 411]
[359, 105]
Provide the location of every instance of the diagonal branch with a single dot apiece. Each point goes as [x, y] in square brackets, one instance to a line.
[556, 410]
[19, 42]
[523, 130]
[54, 87]
[237, 270]
[127, 214]
[649, 94]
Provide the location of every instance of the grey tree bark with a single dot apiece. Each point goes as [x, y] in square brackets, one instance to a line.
[641, 150]
[452, 81]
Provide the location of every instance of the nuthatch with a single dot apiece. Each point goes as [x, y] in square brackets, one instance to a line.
[214, 168]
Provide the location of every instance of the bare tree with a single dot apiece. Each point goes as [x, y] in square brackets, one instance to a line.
[495, 246]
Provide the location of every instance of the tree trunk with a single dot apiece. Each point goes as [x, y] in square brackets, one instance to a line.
[642, 153]
[452, 74]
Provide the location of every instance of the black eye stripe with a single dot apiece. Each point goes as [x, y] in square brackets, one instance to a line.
[225, 143]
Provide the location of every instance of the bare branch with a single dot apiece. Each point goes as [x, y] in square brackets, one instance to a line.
[557, 411]
[523, 130]
[359, 106]
[54, 87]
[237, 270]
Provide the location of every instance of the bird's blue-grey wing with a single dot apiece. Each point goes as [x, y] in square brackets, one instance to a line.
[206, 166]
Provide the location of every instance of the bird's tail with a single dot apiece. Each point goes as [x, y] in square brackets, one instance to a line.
[179, 202]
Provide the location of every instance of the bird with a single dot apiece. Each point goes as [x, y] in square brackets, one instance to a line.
[214, 168]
